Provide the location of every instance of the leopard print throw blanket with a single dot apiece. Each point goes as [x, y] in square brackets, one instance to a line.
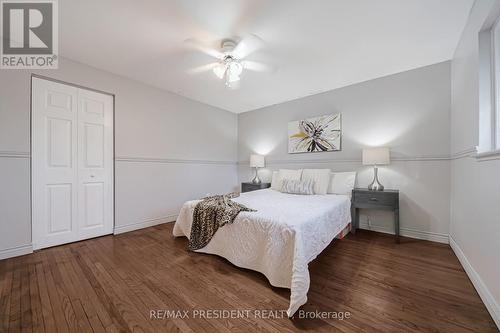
[210, 214]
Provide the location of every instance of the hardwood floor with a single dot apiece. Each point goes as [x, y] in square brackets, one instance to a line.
[111, 284]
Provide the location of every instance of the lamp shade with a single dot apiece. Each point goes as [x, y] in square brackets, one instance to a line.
[256, 161]
[376, 156]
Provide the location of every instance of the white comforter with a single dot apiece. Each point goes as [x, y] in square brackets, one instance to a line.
[279, 240]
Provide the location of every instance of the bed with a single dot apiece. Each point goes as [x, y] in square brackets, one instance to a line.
[286, 233]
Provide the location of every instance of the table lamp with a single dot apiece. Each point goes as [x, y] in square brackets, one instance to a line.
[375, 157]
[256, 161]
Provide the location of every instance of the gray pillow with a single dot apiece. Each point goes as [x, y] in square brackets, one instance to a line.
[298, 186]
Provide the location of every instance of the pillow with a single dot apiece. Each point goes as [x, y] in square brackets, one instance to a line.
[274, 181]
[342, 182]
[298, 186]
[285, 174]
[320, 177]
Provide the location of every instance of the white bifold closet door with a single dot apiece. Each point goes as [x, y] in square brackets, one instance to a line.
[72, 163]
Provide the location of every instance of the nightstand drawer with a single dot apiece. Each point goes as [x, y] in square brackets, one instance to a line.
[376, 198]
[248, 187]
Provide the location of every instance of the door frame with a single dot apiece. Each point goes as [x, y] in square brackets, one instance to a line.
[31, 141]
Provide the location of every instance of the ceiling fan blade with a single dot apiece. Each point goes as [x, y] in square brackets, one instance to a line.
[257, 66]
[247, 45]
[194, 43]
[203, 68]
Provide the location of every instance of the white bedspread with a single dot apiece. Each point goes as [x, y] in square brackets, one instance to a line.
[279, 240]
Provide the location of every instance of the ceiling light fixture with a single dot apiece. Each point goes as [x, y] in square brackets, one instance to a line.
[229, 70]
[230, 65]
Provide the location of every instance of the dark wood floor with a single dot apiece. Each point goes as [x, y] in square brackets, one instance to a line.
[112, 284]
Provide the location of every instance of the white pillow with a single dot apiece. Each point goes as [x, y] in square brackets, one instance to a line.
[342, 182]
[277, 183]
[305, 187]
[274, 181]
[320, 177]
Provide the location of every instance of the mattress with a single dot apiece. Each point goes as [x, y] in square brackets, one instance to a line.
[280, 239]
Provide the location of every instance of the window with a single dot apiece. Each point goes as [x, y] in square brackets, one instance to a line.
[496, 81]
[489, 88]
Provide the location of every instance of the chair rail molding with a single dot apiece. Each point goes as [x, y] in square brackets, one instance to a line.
[468, 152]
[396, 158]
[14, 154]
[131, 159]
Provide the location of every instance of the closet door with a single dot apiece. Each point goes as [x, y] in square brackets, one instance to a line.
[95, 164]
[72, 163]
[54, 163]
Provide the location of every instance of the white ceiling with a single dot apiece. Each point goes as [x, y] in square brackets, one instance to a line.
[316, 45]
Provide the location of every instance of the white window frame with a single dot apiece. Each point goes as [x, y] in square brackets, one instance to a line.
[495, 54]
[489, 88]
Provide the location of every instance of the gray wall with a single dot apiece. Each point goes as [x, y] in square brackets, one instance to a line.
[475, 191]
[168, 149]
[408, 112]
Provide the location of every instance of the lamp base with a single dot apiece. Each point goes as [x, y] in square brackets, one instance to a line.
[375, 184]
[256, 179]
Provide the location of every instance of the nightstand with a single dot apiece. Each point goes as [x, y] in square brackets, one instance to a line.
[364, 198]
[247, 187]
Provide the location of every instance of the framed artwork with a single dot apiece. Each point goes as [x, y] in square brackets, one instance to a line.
[316, 134]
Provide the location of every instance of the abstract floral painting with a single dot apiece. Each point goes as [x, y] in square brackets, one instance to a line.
[317, 134]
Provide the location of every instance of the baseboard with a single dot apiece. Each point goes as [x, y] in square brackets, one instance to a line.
[27, 249]
[144, 224]
[483, 291]
[16, 251]
[412, 233]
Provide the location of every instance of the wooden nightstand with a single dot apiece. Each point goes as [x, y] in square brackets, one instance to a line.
[364, 198]
[247, 187]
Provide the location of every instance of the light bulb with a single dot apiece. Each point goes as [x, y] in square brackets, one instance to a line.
[220, 70]
[235, 68]
[234, 71]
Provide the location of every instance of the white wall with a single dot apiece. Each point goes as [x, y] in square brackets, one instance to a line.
[475, 190]
[408, 112]
[168, 149]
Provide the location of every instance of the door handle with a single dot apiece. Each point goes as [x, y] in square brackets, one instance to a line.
[92, 176]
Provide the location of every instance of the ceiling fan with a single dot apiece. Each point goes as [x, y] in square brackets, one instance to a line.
[230, 59]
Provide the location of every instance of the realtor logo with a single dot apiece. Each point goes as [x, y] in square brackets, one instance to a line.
[29, 34]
